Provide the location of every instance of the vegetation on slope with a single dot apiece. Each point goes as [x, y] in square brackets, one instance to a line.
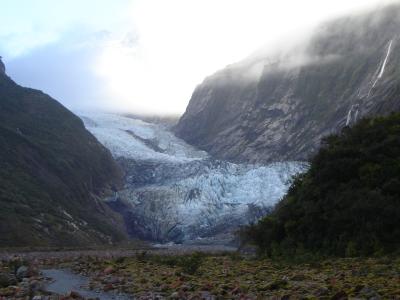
[52, 172]
[347, 204]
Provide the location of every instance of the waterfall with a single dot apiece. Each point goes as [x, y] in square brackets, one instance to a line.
[386, 59]
[348, 120]
[382, 68]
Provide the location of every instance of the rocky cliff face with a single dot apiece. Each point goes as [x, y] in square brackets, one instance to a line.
[349, 69]
[53, 174]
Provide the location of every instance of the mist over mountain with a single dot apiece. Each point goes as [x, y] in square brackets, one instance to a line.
[267, 108]
[279, 107]
[280, 181]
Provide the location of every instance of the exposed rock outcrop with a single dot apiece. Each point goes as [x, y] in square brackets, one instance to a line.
[349, 69]
[2, 67]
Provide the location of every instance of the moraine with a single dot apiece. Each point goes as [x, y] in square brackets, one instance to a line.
[175, 192]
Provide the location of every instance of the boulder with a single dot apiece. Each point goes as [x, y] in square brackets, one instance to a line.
[6, 280]
[22, 272]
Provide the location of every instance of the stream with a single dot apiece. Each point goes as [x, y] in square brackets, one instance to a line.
[64, 281]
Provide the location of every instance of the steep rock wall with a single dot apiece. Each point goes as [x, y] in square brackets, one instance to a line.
[349, 69]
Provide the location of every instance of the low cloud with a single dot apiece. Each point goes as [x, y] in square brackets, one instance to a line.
[64, 70]
[147, 56]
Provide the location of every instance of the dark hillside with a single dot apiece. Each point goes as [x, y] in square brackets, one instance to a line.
[52, 174]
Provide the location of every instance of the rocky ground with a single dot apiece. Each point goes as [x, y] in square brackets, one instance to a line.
[21, 279]
[154, 275]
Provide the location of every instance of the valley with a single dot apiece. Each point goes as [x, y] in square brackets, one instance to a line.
[278, 178]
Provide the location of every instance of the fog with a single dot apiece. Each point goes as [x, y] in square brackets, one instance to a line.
[147, 56]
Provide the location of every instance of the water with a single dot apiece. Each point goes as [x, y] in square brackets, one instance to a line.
[65, 281]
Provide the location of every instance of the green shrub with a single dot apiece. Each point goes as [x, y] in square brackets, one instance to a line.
[346, 204]
[191, 263]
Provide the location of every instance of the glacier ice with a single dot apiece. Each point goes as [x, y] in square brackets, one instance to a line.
[138, 140]
[175, 192]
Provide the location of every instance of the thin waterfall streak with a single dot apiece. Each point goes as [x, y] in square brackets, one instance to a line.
[382, 68]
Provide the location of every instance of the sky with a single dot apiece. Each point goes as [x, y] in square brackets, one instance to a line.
[145, 56]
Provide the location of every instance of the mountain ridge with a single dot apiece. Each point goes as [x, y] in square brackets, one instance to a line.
[53, 174]
[349, 69]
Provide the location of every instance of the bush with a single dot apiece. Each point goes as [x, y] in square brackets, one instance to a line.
[347, 204]
[190, 264]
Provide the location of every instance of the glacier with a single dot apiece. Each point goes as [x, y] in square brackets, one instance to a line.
[176, 193]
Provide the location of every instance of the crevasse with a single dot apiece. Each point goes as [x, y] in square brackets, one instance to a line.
[177, 192]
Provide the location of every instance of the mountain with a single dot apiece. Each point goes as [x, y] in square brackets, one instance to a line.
[278, 107]
[174, 192]
[53, 174]
[348, 203]
[2, 67]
